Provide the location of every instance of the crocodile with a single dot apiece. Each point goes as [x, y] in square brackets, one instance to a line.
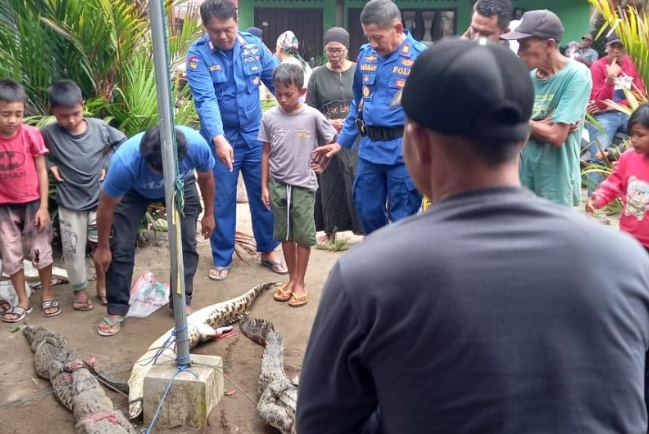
[93, 410]
[203, 325]
[74, 386]
[51, 355]
[278, 394]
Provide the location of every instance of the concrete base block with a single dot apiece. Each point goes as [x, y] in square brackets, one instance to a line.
[193, 394]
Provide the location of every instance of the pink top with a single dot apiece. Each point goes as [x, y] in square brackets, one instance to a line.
[18, 176]
[630, 182]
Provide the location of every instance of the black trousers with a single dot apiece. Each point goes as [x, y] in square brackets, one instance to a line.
[126, 221]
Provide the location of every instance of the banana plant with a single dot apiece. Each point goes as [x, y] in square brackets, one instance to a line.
[103, 45]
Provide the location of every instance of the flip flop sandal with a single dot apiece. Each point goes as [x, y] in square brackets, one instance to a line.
[111, 323]
[83, 306]
[4, 306]
[16, 310]
[216, 273]
[50, 304]
[299, 301]
[282, 294]
[276, 267]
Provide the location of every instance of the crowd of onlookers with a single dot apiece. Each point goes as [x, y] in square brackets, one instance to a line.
[493, 311]
[356, 178]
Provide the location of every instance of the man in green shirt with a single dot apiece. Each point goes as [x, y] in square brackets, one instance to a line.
[550, 159]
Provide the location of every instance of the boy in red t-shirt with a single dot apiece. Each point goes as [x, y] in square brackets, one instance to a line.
[24, 220]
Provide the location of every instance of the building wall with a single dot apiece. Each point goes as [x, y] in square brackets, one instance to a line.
[575, 14]
[247, 9]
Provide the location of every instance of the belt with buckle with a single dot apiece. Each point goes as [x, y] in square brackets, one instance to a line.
[383, 134]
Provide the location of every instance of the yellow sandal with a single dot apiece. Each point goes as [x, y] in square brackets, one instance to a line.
[300, 300]
[282, 294]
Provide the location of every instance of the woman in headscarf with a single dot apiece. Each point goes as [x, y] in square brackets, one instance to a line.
[330, 91]
[287, 51]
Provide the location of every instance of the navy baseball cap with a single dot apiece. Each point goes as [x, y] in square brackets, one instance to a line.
[255, 31]
[543, 24]
[473, 89]
[613, 38]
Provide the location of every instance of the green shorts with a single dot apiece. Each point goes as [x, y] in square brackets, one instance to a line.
[293, 213]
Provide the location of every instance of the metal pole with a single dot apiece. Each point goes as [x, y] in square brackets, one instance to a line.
[163, 84]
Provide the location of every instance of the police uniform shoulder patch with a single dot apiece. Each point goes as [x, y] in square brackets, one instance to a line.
[419, 46]
[405, 49]
[192, 63]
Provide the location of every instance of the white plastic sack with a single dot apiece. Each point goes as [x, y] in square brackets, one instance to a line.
[147, 296]
[7, 291]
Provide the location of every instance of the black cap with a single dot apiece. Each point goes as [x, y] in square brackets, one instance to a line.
[337, 34]
[472, 89]
[612, 38]
[543, 24]
[255, 31]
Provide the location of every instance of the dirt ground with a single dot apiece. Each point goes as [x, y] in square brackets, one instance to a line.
[26, 402]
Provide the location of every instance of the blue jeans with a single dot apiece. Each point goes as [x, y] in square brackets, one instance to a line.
[611, 122]
[126, 222]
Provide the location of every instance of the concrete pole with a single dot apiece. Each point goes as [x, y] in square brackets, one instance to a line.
[163, 84]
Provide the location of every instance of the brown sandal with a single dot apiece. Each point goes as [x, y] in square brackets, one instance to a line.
[282, 294]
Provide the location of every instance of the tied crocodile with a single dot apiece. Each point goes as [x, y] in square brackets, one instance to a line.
[74, 386]
[202, 325]
[278, 394]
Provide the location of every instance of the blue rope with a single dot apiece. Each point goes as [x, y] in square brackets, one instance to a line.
[184, 361]
[164, 395]
[154, 359]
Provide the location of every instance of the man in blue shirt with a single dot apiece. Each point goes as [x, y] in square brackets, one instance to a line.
[383, 191]
[133, 182]
[224, 70]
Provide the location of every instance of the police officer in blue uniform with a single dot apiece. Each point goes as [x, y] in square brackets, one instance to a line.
[224, 70]
[383, 190]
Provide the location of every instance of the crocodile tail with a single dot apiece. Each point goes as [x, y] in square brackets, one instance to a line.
[256, 329]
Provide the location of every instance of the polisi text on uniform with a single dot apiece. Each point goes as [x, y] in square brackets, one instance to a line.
[401, 70]
[251, 59]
